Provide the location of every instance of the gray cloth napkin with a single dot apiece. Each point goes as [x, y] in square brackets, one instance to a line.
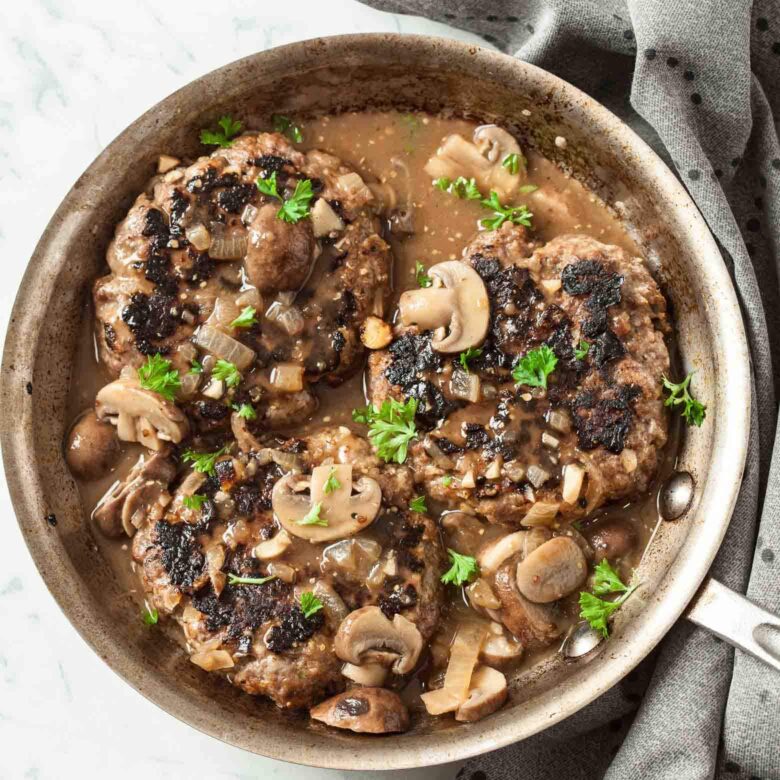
[699, 80]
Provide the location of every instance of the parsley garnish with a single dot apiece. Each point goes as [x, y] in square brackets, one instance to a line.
[295, 208]
[158, 375]
[463, 188]
[202, 462]
[423, 280]
[581, 350]
[417, 504]
[597, 611]
[446, 480]
[526, 189]
[693, 411]
[233, 579]
[464, 569]
[312, 517]
[517, 215]
[246, 319]
[283, 124]
[310, 604]
[534, 367]
[442, 183]
[227, 371]
[512, 163]
[196, 367]
[469, 354]
[222, 137]
[194, 501]
[246, 411]
[331, 483]
[391, 427]
[150, 616]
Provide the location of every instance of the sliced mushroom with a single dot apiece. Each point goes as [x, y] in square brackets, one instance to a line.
[344, 513]
[366, 635]
[92, 448]
[333, 605]
[499, 649]
[487, 692]
[553, 570]
[140, 414]
[612, 539]
[273, 547]
[492, 556]
[364, 710]
[367, 674]
[456, 306]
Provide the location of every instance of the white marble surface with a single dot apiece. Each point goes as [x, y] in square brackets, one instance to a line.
[74, 74]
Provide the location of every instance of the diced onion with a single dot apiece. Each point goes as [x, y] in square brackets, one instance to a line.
[629, 460]
[494, 469]
[468, 480]
[573, 476]
[224, 312]
[212, 660]
[199, 237]
[287, 377]
[248, 214]
[537, 476]
[224, 347]
[250, 297]
[515, 471]
[550, 441]
[541, 513]
[289, 318]
[232, 247]
[215, 389]
[465, 385]
[559, 420]
[551, 285]
[324, 220]
[353, 184]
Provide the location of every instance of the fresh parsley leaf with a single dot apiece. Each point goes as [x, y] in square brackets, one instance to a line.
[246, 411]
[581, 350]
[194, 501]
[202, 462]
[423, 280]
[464, 569]
[235, 580]
[391, 427]
[446, 480]
[228, 129]
[246, 319]
[442, 183]
[283, 124]
[268, 186]
[527, 189]
[693, 411]
[607, 580]
[597, 611]
[463, 188]
[469, 354]
[534, 367]
[159, 376]
[331, 483]
[196, 367]
[310, 604]
[512, 163]
[517, 215]
[312, 517]
[226, 371]
[150, 616]
[297, 207]
[417, 504]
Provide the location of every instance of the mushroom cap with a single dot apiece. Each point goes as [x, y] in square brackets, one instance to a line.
[367, 635]
[345, 514]
[553, 570]
[364, 710]
[92, 448]
[487, 692]
[498, 649]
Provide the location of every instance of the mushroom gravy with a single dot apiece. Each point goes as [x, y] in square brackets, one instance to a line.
[422, 224]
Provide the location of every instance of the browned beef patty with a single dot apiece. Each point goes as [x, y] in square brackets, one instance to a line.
[602, 409]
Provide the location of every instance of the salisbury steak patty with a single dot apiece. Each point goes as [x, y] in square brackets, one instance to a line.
[604, 318]
[262, 633]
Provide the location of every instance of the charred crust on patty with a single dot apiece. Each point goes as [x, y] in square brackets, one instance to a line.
[180, 553]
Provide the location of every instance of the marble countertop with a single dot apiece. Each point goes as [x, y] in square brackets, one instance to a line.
[74, 75]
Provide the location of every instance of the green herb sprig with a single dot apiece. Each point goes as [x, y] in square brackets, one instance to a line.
[534, 367]
[464, 569]
[598, 611]
[228, 129]
[159, 376]
[693, 411]
[391, 427]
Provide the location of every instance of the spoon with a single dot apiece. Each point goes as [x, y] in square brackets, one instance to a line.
[676, 495]
[580, 640]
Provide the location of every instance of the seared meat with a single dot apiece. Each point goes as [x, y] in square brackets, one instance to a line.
[603, 316]
[185, 242]
[186, 559]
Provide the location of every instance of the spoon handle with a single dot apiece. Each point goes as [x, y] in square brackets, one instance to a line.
[737, 620]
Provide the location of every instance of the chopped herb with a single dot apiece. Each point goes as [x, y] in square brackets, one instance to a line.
[391, 427]
[517, 215]
[463, 188]
[312, 517]
[534, 367]
[693, 411]
[194, 502]
[222, 137]
[577, 525]
[158, 375]
[268, 186]
[331, 483]
[597, 611]
[527, 189]
[226, 371]
[417, 504]
[581, 350]
[469, 354]
[196, 367]
[233, 579]
[423, 280]
[296, 207]
[150, 616]
[202, 462]
[246, 411]
[310, 604]
[464, 569]
[283, 124]
[446, 480]
[246, 319]
[607, 580]
[512, 163]
[442, 183]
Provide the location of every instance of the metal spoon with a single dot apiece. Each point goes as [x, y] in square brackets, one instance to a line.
[580, 640]
[676, 495]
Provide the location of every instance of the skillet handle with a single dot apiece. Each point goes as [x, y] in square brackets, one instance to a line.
[737, 620]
